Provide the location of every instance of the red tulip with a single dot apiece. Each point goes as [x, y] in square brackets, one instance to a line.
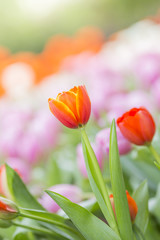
[137, 126]
[72, 108]
[133, 209]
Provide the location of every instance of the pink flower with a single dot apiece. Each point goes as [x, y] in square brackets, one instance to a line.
[81, 161]
[155, 91]
[102, 140]
[69, 191]
[147, 68]
[45, 128]
[29, 148]
[9, 142]
[21, 167]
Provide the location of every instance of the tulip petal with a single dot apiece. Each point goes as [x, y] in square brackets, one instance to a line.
[147, 124]
[69, 99]
[83, 105]
[63, 113]
[129, 129]
[74, 90]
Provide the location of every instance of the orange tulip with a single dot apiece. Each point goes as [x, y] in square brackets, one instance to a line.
[71, 108]
[137, 126]
[133, 209]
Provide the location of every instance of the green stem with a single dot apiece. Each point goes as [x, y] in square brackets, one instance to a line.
[138, 231]
[38, 230]
[95, 178]
[154, 153]
[48, 221]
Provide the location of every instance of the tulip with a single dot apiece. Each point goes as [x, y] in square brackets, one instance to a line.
[137, 126]
[71, 108]
[133, 209]
[8, 209]
[69, 191]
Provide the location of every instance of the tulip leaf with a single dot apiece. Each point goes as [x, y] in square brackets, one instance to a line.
[19, 192]
[118, 188]
[141, 198]
[97, 183]
[91, 205]
[154, 205]
[91, 227]
[73, 234]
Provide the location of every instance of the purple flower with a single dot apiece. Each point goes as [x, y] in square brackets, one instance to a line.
[155, 91]
[21, 167]
[45, 128]
[102, 140]
[29, 148]
[69, 191]
[147, 68]
[81, 161]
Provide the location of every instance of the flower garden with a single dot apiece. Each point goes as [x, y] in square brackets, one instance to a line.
[80, 137]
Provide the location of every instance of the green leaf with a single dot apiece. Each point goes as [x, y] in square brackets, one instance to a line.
[118, 187]
[154, 205]
[19, 192]
[64, 232]
[153, 231]
[97, 183]
[138, 171]
[91, 227]
[53, 173]
[91, 205]
[24, 199]
[7, 233]
[141, 197]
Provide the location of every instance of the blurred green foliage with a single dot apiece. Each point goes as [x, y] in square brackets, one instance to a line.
[22, 31]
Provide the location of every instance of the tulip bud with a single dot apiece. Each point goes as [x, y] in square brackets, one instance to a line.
[8, 209]
[137, 126]
[133, 209]
[5, 223]
[71, 108]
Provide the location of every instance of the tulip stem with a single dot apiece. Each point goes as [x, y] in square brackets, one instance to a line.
[155, 155]
[38, 230]
[97, 182]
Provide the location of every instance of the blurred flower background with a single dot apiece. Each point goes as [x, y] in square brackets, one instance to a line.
[47, 46]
